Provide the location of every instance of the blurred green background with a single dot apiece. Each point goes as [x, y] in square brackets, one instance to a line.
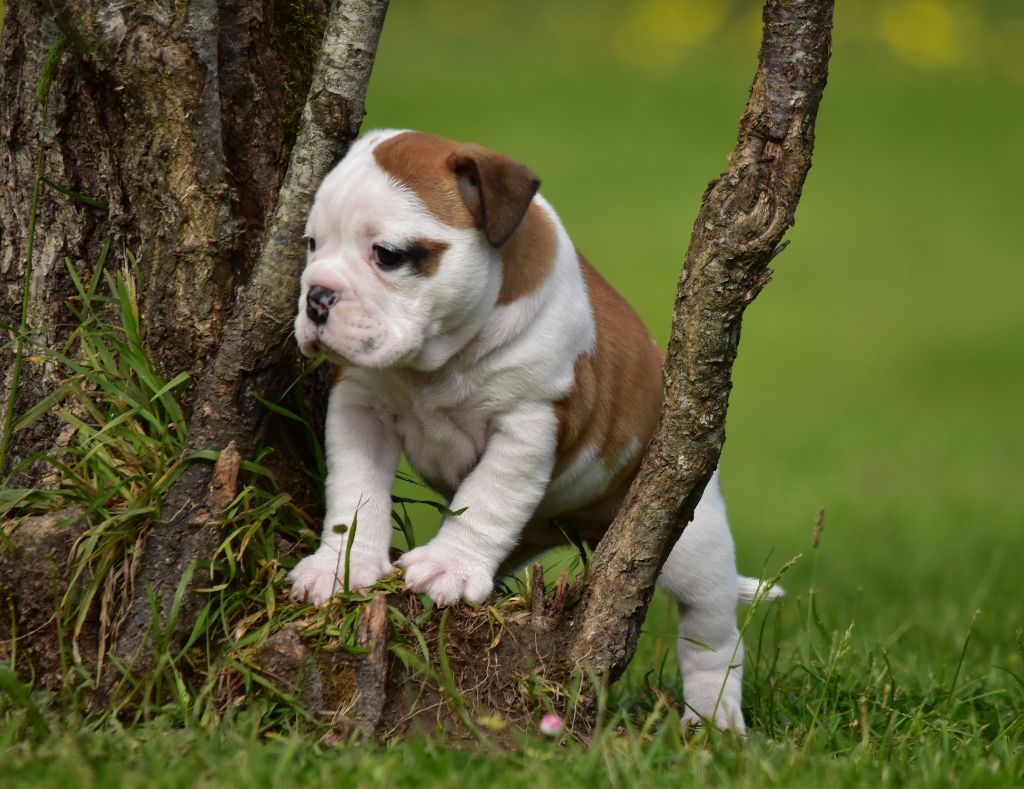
[880, 374]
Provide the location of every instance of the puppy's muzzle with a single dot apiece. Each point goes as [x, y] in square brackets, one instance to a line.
[319, 301]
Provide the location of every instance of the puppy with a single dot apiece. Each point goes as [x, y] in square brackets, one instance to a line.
[472, 336]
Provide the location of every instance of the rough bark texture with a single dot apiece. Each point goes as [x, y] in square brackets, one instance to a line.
[254, 356]
[170, 113]
[742, 219]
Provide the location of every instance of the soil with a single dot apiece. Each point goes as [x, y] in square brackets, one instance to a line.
[33, 581]
[490, 671]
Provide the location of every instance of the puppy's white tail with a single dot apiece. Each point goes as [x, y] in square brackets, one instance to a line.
[753, 588]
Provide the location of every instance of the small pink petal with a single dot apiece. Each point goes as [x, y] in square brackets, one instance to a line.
[551, 724]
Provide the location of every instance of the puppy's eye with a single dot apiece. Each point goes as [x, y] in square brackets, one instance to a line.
[389, 259]
[311, 242]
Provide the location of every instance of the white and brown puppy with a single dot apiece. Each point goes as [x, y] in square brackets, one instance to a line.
[472, 336]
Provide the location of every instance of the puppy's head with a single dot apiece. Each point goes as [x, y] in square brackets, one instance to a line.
[404, 249]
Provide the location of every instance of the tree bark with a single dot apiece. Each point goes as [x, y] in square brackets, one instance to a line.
[742, 219]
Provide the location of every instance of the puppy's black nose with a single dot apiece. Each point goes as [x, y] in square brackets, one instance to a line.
[318, 304]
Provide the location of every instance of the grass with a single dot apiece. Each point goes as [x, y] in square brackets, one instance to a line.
[879, 377]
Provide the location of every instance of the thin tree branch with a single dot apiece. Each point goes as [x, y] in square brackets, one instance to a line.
[742, 219]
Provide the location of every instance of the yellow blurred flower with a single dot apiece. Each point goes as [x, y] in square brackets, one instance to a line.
[924, 32]
[655, 33]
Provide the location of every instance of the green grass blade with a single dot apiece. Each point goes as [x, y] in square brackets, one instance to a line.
[21, 697]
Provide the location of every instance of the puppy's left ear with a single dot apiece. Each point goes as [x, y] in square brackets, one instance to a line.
[497, 190]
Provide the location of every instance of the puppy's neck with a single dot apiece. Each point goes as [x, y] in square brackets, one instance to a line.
[449, 348]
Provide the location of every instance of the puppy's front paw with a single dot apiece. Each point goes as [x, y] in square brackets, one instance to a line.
[446, 575]
[319, 576]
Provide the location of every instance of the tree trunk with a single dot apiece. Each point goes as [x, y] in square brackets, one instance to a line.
[174, 121]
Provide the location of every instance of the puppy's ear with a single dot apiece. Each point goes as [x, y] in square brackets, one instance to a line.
[496, 190]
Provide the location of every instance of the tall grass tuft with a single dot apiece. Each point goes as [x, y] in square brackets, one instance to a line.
[117, 453]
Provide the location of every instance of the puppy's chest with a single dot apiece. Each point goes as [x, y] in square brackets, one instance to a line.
[444, 429]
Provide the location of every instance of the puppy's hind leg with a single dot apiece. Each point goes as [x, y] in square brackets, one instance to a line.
[700, 573]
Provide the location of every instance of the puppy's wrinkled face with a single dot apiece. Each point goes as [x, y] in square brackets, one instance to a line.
[404, 240]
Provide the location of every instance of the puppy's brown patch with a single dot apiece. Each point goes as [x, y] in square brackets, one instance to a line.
[420, 161]
[462, 184]
[616, 396]
[527, 257]
[427, 255]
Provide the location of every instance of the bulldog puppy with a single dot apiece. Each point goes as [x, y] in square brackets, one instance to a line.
[470, 334]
